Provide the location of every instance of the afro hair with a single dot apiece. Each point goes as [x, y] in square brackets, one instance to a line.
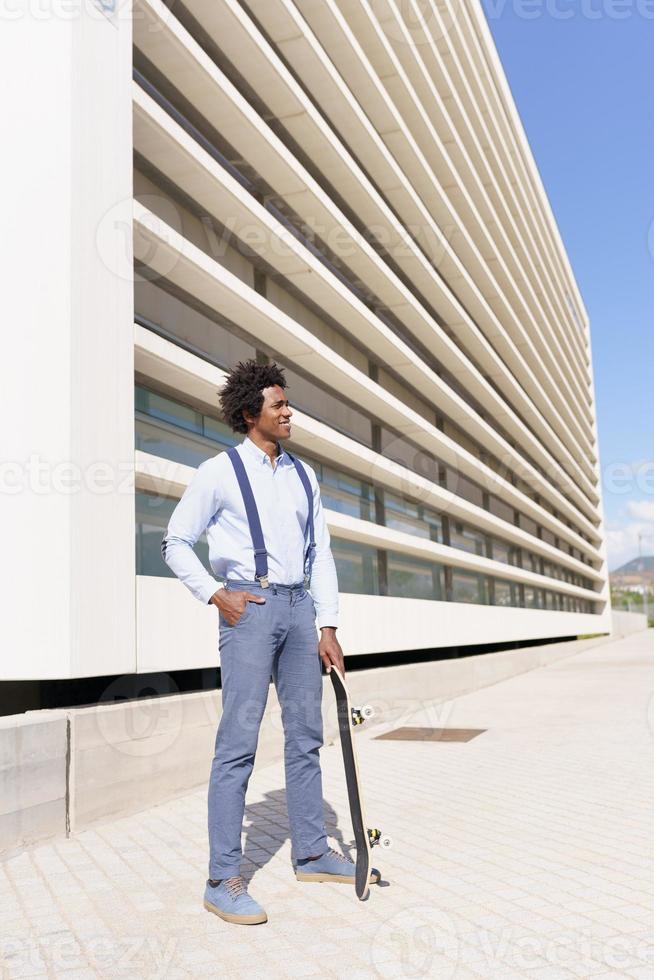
[243, 391]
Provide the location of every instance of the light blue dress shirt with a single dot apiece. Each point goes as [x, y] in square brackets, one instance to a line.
[213, 502]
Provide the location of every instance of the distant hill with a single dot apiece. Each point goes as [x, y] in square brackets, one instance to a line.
[636, 566]
[638, 571]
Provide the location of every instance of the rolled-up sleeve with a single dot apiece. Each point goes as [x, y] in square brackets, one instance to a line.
[192, 515]
[324, 581]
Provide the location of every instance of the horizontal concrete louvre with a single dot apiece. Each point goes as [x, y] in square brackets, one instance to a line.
[487, 132]
[182, 263]
[381, 30]
[180, 370]
[190, 226]
[484, 50]
[429, 74]
[180, 58]
[171, 157]
[308, 128]
[395, 113]
[325, 211]
[552, 250]
[463, 70]
[176, 155]
[473, 39]
[158, 475]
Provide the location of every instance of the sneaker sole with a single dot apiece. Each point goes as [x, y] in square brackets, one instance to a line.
[322, 876]
[241, 920]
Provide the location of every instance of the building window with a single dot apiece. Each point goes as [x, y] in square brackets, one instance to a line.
[468, 587]
[404, 515]
[413, 578]
[343, 493]
[528, 525]
[406, 453]
[168, 428]
[463, 487]
[153, 513]
[533, 597]
[500, 509]
[506, 593]
[356, 566]
[467, 538]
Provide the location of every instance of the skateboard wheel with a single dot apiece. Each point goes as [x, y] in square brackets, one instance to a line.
[357, 716]
[373, 836]
[386, 842]
[367, 711]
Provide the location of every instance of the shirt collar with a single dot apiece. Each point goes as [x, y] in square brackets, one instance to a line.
[259, 455]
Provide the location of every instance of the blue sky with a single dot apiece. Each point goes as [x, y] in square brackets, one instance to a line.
[583, 85]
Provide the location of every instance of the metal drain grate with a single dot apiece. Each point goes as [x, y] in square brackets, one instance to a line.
[433, 734]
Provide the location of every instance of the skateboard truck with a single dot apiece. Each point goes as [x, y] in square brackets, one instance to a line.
[359, 715]
[375, 836]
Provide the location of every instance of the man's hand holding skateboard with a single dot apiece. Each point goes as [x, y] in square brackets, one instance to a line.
[330, 649]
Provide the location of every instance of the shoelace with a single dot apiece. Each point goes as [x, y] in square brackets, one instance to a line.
[235, 887]
[341, 856]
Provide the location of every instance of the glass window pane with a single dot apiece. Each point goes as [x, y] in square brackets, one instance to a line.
[412, 578]
[463, 487]
[503, 593]
[197, 330]
[327, 407]
[346, 494]
[532, 562]
[153, 513]
[219, 432]
[501, 551]
[468, 587]
[500, 509]
[162, 441]
[533, 597]
[548, 536]
[515, 556]
[405, 515]
[160, 407]
[400, 449]
[528, 525]
[356, 566]
[467, 538]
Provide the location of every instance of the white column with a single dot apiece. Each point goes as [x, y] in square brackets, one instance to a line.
[66, 371]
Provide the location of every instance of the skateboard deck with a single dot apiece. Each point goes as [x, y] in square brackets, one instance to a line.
[365, 838]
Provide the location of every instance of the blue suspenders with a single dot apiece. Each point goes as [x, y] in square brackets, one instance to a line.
[260, 553]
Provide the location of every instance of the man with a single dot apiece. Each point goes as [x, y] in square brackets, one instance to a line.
[268, 543]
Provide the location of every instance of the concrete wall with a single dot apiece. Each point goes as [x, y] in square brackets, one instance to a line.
[125, 757]
[68, 450]
[175, 631]
[624, 623]
[33, 784]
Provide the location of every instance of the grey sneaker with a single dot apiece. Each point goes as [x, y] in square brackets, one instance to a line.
[230, 900]
[331, 866]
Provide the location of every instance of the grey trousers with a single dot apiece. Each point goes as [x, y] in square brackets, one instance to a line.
[275, 639]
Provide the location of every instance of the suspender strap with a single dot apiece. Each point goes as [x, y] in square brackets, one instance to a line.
[260, 553]
[309, 530]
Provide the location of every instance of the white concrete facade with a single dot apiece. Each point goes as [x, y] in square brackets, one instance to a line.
[344, 187]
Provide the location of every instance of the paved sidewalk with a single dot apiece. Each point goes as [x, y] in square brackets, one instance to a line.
[526, 852]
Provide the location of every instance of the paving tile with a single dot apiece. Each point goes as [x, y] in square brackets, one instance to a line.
[525, 853]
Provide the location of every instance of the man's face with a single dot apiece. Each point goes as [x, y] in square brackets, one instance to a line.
[274, 420]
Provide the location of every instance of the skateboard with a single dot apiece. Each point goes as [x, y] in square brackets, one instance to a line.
[366, 838]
